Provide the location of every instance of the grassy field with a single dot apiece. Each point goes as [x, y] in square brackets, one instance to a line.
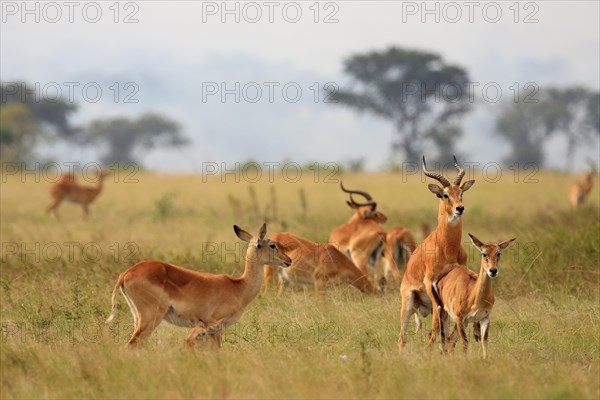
[57, 276]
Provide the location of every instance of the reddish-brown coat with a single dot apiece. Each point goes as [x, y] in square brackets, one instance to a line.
[209, 303]
[438, 253]
[68, 189]
[580, 190]
[317, 264]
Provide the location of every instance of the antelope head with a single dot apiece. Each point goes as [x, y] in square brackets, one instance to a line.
[491, 254]
[450, 194]
[267, 251]
[366, 210]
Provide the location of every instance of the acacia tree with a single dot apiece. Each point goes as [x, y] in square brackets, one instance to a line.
[18, 133]
[573, 112]
[422, 95]
[123, 136]
[527, 124]
[26, 117]
[51, 115]
[579, 120]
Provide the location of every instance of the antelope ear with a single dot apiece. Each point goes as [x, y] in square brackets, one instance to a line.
[262, 232]
[383, 217]
[503, 245]
[478, 243]
[242, 234]
[466, 185]
[435, 189]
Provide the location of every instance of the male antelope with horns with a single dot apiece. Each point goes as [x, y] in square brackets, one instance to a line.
[438, 253]
[361, 238]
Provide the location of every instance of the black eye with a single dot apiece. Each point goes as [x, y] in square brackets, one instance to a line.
[273, 246]
[446, 196]
[498, 256]
[485, 256]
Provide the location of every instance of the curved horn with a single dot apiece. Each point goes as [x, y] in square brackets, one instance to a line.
[351, 191]
[367, 203]
[461, 172]
[445, 182]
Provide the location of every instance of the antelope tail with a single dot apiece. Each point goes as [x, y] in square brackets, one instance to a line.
[115, 293]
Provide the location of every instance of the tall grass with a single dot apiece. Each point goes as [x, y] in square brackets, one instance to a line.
[56, 278]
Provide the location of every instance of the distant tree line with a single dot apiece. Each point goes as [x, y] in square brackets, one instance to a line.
[425, 98]
[421, 94]
[28, 118]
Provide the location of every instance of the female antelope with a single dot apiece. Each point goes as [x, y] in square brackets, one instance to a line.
[470, 300]
[580, 190]
[207, 303]
[315, 264]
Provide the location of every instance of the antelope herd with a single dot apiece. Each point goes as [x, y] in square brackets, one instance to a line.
[435, 278]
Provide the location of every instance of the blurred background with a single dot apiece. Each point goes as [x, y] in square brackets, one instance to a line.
[368, 85]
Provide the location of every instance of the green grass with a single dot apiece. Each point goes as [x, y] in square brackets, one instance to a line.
[56, 278]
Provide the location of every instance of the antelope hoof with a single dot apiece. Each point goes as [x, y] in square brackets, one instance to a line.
[401, 345]
[382, 285]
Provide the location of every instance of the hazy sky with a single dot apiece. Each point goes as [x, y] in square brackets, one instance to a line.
[175, 52]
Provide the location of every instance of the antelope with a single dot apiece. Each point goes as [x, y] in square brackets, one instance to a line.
[68, 189]
[315, 264]
[467, 296]
[470, 300]
[361, 238]
[581, 189]
[399, 245]
[207, 303]
[438, 253]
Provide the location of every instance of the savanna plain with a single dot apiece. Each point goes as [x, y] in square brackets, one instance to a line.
[57, 276]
